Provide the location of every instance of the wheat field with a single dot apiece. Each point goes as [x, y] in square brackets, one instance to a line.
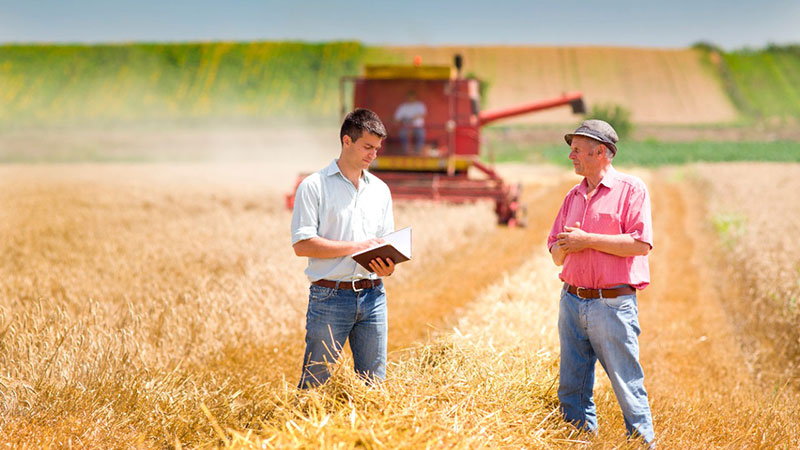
[657, 86]
[161, 306]
[749, 200]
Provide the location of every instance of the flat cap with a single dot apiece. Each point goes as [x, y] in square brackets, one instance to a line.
[598, 130]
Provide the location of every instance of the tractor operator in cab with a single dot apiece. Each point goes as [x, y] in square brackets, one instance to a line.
[338, 211]
[602, 236]
[411, 117]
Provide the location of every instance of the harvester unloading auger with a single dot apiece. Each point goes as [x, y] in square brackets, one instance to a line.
[439, 169]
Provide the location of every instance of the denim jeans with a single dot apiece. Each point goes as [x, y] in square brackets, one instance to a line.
[419, 138]
[335, 315]
[605, 329]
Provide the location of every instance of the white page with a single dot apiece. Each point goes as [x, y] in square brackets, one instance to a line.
[401, 240]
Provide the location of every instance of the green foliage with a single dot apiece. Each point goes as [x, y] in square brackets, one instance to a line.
[729, 227]
[706, 46]
[155, 82]
[618, 116]
[763, 83]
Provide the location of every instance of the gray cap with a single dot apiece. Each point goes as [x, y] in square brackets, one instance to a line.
[598, 130]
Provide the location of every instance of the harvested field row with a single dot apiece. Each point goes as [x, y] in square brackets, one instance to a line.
[755, 215]
[658, 86]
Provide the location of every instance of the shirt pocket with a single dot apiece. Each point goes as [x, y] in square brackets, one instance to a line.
[607, 223]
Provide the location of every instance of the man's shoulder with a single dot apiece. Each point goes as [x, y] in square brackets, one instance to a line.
[376, 182]
[313, 182]
[631, 180]
[573, 190]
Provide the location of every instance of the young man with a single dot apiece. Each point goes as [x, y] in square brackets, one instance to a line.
[338, 211]
[602, 236]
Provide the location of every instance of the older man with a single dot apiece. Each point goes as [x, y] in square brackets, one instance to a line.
[602, 236]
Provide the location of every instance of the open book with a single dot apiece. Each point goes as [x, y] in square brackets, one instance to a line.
[397, 248]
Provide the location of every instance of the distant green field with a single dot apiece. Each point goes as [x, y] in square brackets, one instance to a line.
[763, 83]
[156, 82]
[275, 82]
[654, 153]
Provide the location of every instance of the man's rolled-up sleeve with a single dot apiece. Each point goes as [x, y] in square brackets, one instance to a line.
[639, 223]
[305, 217]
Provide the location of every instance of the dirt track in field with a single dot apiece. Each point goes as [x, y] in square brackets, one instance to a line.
[696, 374]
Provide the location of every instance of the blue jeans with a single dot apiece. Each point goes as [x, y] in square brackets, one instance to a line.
[333, 316]
[419, 138]
[605, 329]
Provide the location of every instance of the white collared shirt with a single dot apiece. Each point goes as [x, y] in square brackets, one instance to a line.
[328, 205]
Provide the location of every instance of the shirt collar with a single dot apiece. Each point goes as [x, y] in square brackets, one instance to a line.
[333, 169]
[609, 180]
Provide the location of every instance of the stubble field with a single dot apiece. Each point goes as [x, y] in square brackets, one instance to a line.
[161, 306]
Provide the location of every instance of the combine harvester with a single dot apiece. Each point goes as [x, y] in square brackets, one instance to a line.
[440, 170]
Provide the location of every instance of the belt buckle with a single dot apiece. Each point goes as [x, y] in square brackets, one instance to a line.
[353, 283]
[578, 293]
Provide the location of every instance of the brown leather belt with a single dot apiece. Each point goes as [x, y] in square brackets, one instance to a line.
[355, 285]
[597, 293]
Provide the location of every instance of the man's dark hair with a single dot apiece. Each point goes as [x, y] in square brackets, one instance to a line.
[360, 120]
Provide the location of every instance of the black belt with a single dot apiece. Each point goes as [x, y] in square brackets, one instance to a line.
[597, 293]
[355, 285]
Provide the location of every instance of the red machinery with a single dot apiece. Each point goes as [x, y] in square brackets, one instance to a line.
[452, 135]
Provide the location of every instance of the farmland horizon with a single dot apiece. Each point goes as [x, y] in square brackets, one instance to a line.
[126, 42]
[293, 82]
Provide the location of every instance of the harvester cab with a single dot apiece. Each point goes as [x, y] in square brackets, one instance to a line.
[432, 149]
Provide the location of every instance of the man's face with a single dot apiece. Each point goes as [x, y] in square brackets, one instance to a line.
[363, 151]
[586, 155]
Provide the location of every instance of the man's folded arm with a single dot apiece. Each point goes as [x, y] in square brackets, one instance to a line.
[623, 245]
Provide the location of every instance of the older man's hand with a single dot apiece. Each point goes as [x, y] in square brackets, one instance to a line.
[573, 239]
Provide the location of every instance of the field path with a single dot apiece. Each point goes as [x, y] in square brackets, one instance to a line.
[702, 393]
[430, 301]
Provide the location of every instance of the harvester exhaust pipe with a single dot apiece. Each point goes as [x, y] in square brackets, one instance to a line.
[458, 61]
[578, 106]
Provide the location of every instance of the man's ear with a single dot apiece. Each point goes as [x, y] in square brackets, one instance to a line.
[346, 141]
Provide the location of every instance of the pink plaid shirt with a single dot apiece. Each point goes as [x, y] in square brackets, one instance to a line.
[620, 205]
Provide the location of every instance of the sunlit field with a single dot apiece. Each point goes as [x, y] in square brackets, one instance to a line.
[161, 306]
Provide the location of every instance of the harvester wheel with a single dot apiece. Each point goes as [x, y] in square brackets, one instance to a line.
[514, 214]
[519, 211]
